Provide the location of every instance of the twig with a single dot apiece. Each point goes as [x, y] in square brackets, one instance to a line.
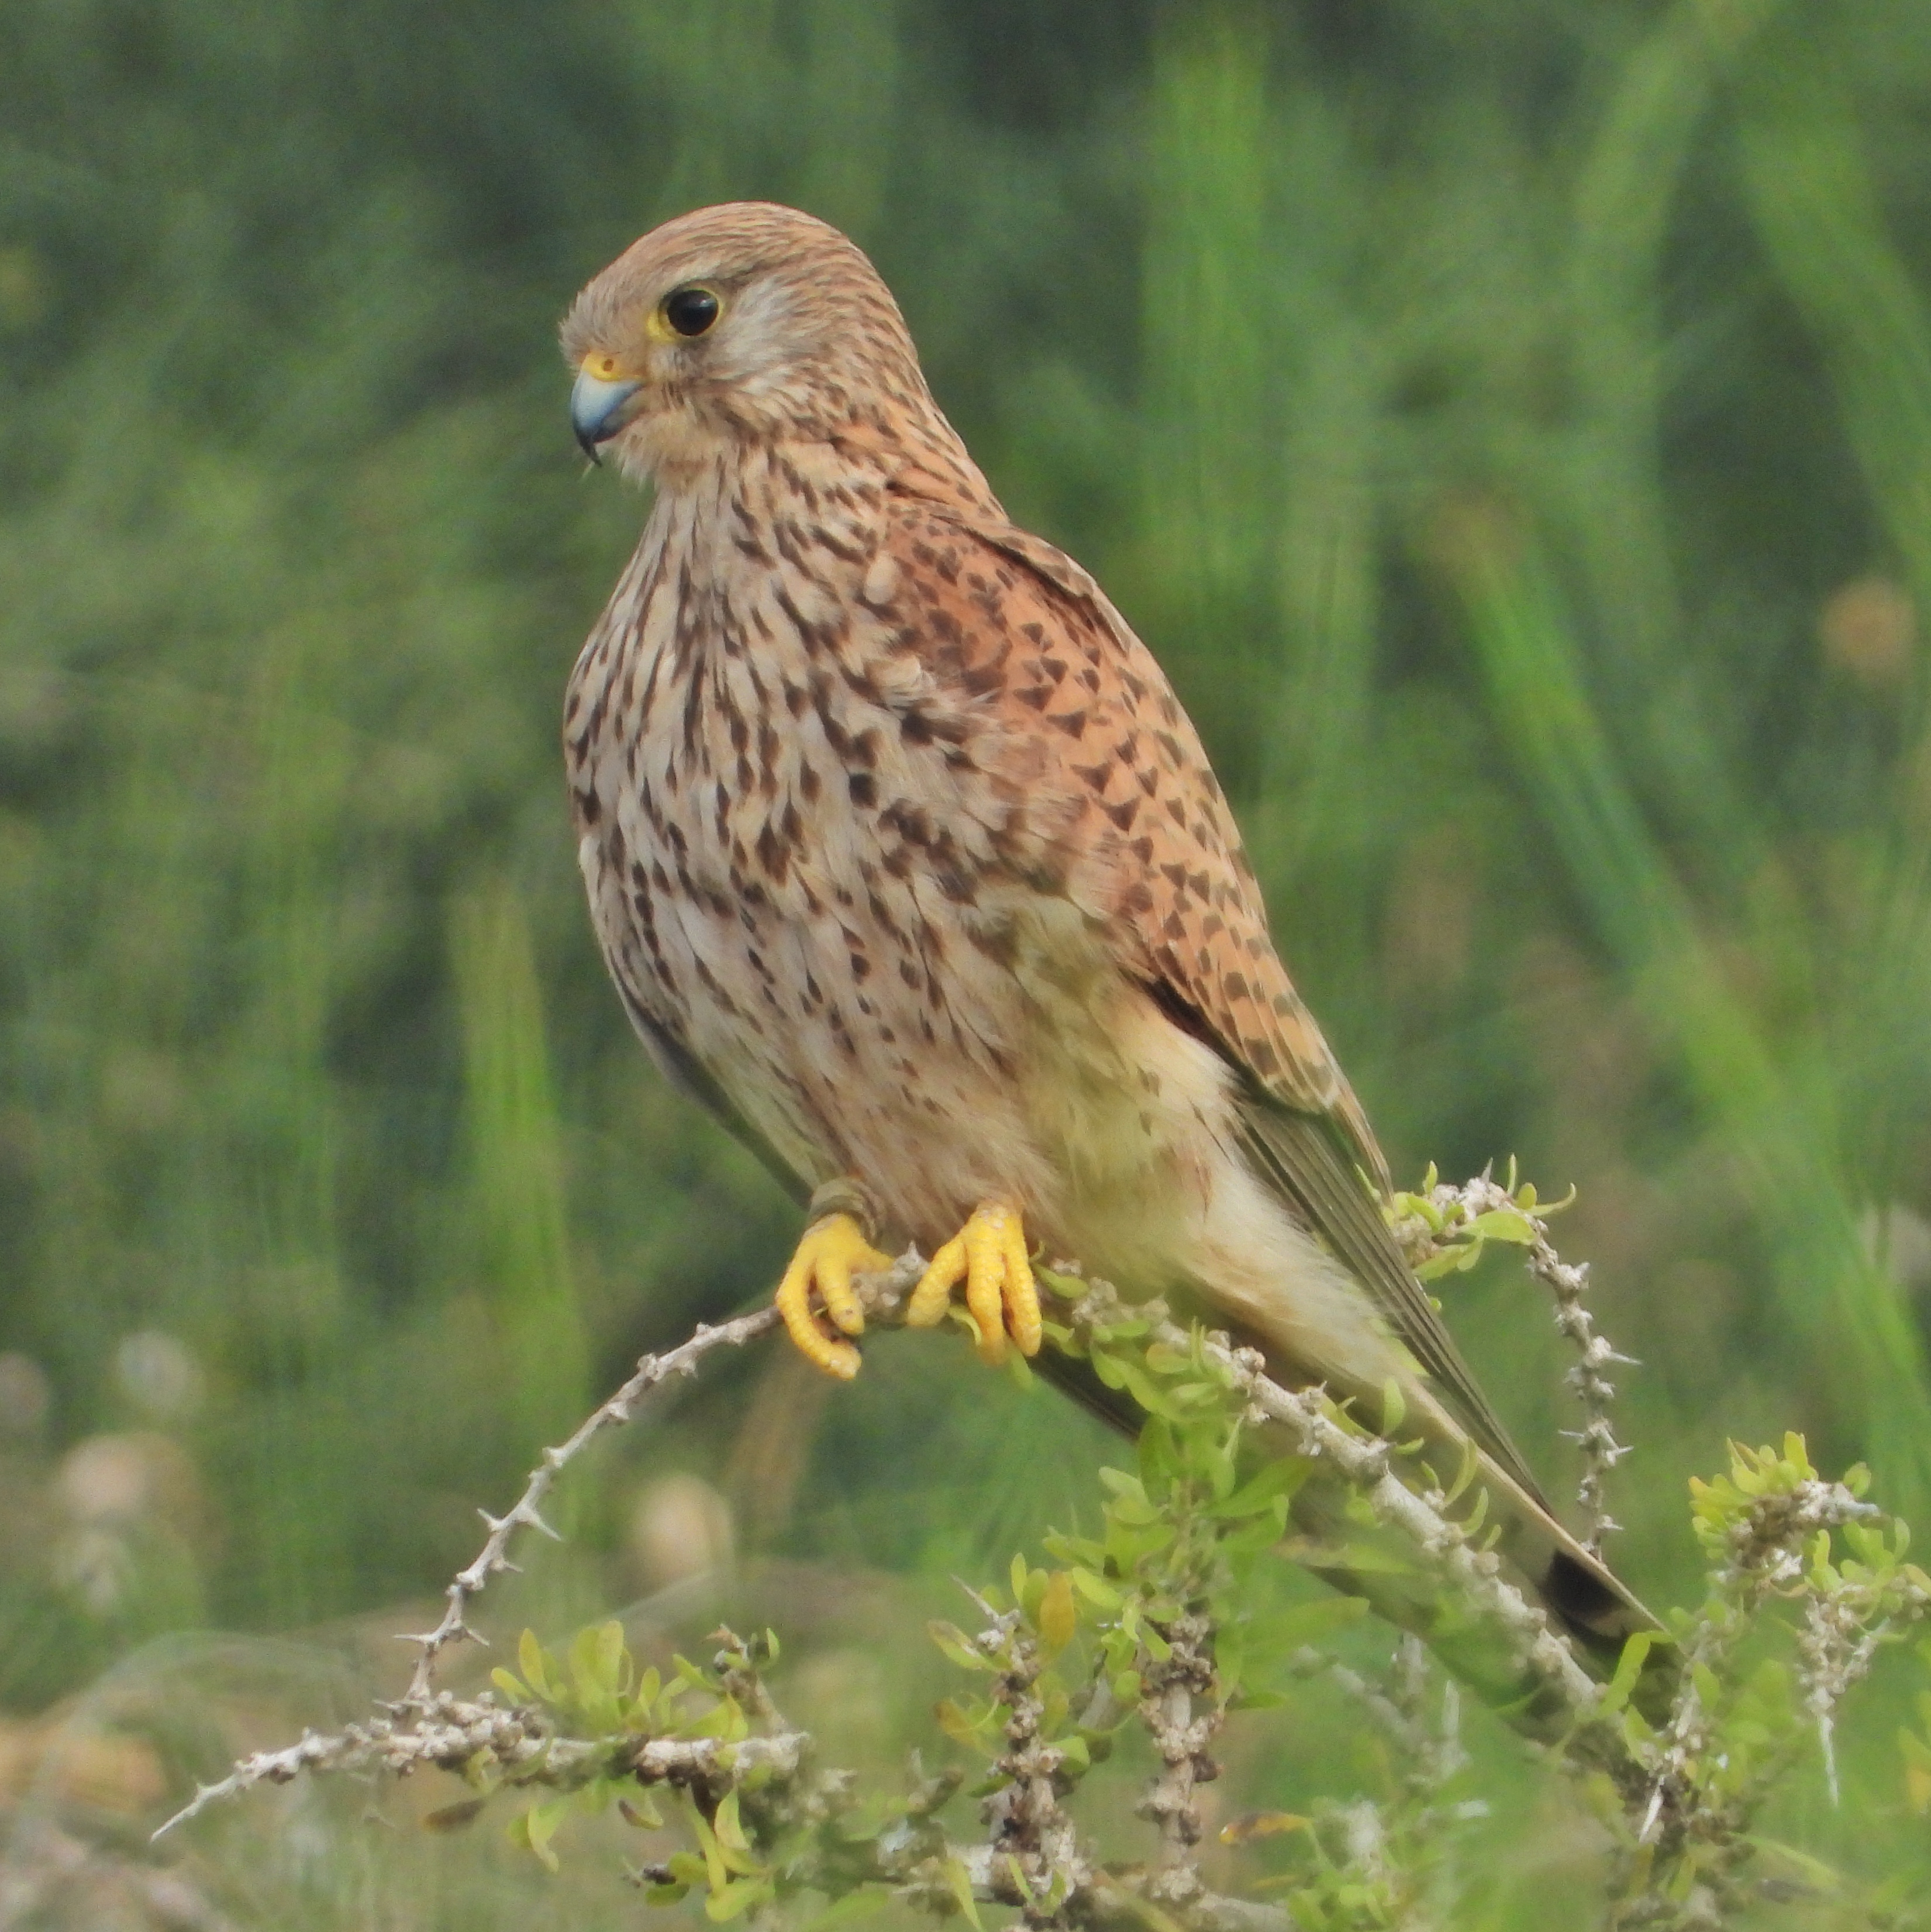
[493, 1560]
[1454, 1211]
[885, 1292]
[450, 1733]
[435, 1728]
[1030, 1828]
[1167, 1708]
[1366, 1462]
[1767, 1555]
[426, 1739]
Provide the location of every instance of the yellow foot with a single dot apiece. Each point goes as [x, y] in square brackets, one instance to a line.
[987, 1254]
[830, 1251]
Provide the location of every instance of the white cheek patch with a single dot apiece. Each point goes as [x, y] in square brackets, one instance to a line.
[757, 341]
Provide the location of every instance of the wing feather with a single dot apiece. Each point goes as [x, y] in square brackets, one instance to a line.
[1197, 931]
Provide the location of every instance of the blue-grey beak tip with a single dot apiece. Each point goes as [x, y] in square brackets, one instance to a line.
[598, 409]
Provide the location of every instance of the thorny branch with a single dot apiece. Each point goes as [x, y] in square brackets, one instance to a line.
[1367, 1463]
[1767, 1556]
[493, 1560]
[1454, 1215]
[450, 1733]
[1026, 1822]
[1168, 1708]
[396, 1743]
[1034, 1858]
[421, 1736]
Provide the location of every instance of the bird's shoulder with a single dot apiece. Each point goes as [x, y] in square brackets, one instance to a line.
[1031, 635]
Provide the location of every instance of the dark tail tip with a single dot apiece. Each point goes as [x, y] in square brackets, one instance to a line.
[1594, 1610]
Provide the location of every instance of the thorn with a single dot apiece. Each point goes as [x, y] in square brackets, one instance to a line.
[529, 1515]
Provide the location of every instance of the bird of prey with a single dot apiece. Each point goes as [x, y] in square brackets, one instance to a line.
[907, 862]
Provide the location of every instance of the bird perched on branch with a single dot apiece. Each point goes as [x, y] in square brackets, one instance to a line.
[906, 860]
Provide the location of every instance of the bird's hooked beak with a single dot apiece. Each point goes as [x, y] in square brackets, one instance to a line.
[599, 407]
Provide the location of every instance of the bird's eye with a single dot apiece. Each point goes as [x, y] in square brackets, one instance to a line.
[690, 311]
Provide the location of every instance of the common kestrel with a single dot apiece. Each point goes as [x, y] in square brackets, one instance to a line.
[907, 862]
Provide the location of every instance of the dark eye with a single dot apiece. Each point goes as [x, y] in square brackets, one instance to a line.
[690, 311]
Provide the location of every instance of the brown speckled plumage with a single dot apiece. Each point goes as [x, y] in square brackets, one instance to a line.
[904, 856]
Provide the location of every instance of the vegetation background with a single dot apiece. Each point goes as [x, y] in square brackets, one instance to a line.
[1508, 420]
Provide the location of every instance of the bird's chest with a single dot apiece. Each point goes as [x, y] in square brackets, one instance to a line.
[799, 865]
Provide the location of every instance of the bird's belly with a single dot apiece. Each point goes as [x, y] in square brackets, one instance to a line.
[997, 1056]
[944, 1054]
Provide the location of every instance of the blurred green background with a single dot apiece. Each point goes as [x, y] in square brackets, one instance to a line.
[1508, 420]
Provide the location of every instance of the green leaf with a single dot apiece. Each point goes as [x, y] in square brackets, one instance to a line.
[1159, 1455]
[531, 1661]
[866, 1903]
[738, 1897]
[717, 1874]
[957, 1647]
[538, 1827]
[1155, 1400]
[959, 1881]
[644, 1705]
[1280, 1478]
[733, 1846]
[962, 1727]
[1094, 1588]
[1028, 1587]
[1471, 1463]
[1503, 1224]
[1058, 1615]
[599, 1671]
[1629, 1669]
[1394, 1406]
[1067, 1287]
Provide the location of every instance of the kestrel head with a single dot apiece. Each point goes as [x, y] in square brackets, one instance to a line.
[743, 323]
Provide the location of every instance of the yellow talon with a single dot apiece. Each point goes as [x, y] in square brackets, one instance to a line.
[829, 1252]
[987, 1254]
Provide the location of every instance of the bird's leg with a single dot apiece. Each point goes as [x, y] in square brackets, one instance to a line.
[837, 1242]
[987, 1254]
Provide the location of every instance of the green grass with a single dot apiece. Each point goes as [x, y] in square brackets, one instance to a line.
[1478, 408]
